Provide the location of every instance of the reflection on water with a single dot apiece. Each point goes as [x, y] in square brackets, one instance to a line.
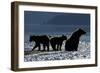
[82, 53]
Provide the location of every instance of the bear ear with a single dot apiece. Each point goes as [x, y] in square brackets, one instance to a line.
[32, 35]
[50, 36]
[79, 29]
[62, 34]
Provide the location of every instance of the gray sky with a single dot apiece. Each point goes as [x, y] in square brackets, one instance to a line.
[52, 22]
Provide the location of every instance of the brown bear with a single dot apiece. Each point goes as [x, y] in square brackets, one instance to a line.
[56, 42]
[44, 40]
[72, 43]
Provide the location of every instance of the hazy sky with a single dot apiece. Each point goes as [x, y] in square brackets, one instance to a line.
[55, 23]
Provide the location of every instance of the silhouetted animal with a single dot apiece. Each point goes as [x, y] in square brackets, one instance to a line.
[72, 43]
[44, 40]
[56, 42]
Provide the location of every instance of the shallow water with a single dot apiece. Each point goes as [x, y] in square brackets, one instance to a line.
[82, 53]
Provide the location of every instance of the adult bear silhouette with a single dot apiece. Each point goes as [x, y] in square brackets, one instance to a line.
[44, 40]
[56, 42]
[72, 43]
